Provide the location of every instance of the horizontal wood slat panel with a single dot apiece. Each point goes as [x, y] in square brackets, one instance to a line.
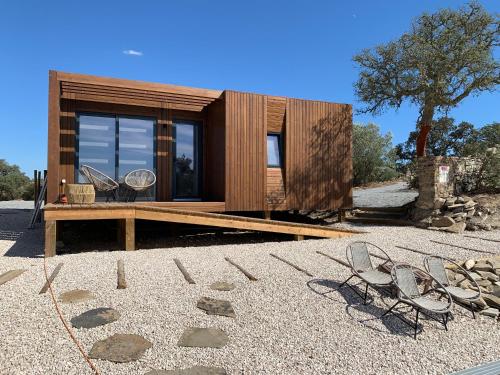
[318, 161]
[246, 156]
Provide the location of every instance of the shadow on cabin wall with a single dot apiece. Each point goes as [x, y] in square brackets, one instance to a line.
[319, 161]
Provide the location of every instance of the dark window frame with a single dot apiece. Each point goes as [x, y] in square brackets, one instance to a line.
[280, 149]
[199, 157]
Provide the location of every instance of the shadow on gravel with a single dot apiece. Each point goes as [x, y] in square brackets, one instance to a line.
[28, 243]
[356, 310]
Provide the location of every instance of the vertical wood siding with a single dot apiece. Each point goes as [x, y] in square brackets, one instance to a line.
[318, 161]
[67, 140]
[246, 158]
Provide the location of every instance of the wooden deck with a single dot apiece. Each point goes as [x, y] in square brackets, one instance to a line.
[188, 214]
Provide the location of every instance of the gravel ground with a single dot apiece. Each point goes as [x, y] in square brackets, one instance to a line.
[19, 204]
[393, 195]
[286, 322]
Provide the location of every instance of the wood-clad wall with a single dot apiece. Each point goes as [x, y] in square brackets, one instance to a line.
[318, 156]
[246, 158]
[214, 141]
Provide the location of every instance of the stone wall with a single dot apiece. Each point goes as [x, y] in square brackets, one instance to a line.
[435, 180]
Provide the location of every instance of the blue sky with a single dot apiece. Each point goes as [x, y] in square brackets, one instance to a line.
[292, 48]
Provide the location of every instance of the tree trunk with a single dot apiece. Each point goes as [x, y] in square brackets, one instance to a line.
[425, 128]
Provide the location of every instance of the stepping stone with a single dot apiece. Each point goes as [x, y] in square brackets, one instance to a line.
[196, 370]
[120, 348]
[222, 286]
[95, 318]
[74, 296]
[216, 307]
[203, 338]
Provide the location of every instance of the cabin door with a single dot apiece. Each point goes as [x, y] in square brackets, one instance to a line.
[187, 158]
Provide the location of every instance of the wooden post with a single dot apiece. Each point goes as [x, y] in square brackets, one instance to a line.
[50, 238]
[267, 215]
[341, 215]
[298, 237]
[129, 234]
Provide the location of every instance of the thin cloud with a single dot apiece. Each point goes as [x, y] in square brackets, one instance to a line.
[132, 52]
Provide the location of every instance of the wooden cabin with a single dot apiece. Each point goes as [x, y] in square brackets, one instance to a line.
[211, 150]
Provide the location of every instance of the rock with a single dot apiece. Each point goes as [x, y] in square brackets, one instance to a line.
[203, 338]
[469, 264]
[483, 282]
[223, 286]
[491, 312]
[95, 318]
[489, 276]
[450, 201]
[482, 265]
[456, 228]
[475, 276]
[442, 221]
[439, 202]
[483, 226]
[495, 290]
[196, 370]
[458, 215]
[216, 307]
[460, 200]
[481, 303]
[458, 206]
[470, 213]
[469, 204]
[491, 300]
[459, 278]
[120, 348]
[466, 284]
[74, 296]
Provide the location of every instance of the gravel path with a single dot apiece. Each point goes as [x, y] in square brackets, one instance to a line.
[18, 205]
[393, 195]
[286, 322]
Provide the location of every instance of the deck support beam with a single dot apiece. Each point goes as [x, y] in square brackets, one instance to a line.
[298, 237]
[126, 233]
[50, 237]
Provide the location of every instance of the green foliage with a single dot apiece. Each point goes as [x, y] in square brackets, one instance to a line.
[446, 138]
[482, 139]
[374, 158]
[13, 183]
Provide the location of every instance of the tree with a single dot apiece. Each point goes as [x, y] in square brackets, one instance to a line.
[444, 58]
[373, 155]
[13, 183]
[483, 139]
[446, 138]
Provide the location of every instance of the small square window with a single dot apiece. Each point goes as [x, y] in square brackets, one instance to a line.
[274, 150]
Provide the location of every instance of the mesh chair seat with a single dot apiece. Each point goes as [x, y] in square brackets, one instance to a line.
[435, 265]
[140, 179]
[429, 304]
[458, 292]
[376, 277]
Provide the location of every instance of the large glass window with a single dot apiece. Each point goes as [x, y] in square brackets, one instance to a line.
[96, 144]
[274, 150]
[115, 145]
[136, 145]
[187, 152]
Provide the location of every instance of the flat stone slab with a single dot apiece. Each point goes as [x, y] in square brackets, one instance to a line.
[196, 370]
[203, 338]
[214, 306]
[95, 318]
[222, 286]
[120, 348]
[74, 296]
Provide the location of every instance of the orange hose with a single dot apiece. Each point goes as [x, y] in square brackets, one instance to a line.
[61, 317]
